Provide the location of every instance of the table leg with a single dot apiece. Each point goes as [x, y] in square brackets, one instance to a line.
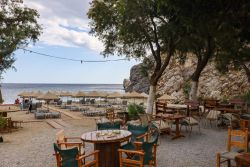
[177, 132]
[109, 156]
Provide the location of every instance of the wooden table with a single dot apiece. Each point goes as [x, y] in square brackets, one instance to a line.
[177, 119]
[243, 160]
[107, 145]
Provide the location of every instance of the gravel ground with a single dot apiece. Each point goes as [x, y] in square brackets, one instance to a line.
[31, 146]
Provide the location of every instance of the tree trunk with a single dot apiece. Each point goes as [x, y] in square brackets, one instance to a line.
[194, 90]
[1, 97]
[151, 98]
[247, 71]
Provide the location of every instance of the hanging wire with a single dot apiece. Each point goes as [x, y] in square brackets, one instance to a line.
[70, 59]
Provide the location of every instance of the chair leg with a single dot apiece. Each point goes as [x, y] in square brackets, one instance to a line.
[229, 163]
[218, 160]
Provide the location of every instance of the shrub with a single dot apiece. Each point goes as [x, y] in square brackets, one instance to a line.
[2, 122]
[246, 97]
[186, 89]
[134, 110]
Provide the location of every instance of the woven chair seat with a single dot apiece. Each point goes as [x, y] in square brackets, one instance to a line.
[213, 115]
[229, 155]
[190, 121]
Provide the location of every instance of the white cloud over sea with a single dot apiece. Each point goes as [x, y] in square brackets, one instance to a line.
[65, 23]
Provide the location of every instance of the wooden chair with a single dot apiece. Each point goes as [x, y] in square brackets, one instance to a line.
[158, 122]
[149, 147]
[135, 161]
[160, 107]
[72, 158]
[245, 124]
[232, 142]
[69, 142]
[210, 104]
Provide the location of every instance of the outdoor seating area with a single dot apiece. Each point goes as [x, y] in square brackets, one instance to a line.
[136, 137]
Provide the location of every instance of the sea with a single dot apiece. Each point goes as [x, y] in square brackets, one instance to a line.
[11, 90]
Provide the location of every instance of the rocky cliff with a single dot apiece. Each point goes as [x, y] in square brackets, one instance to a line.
[137, 81]
[175, 81]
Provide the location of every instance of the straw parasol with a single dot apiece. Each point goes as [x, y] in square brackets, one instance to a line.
[48, 96]
[114, 95]
[65, 94]
[79, 94]
[95, 94]
[26, 94]
[166, 97]
[144, 95]
[37, 94]
[134, 95]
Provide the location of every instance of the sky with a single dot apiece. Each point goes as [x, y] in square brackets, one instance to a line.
[65, 34]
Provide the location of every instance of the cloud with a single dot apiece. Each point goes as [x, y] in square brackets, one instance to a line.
[65, 23]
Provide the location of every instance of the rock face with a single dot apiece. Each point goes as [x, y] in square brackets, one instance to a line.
[137, 81]
[175, 81]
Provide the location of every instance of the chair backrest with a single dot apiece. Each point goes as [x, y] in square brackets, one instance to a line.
[131, 162]
[60, 138]
[160, 107]
[210, 102]
[238, 139]
[66, 158]
[110, 114]
[145, 119]
[244, 124]
[149, 147]
[108, 126]
[137, 131]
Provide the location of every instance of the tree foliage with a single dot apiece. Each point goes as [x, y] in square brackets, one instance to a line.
[18, 27]
[136, 29]
[209, 25]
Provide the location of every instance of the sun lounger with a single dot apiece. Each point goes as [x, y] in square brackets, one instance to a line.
[39, 115]
[55, 115]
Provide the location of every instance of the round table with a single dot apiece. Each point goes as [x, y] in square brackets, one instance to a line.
[107, 142]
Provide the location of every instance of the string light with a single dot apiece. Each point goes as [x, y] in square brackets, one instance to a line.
[70, 59]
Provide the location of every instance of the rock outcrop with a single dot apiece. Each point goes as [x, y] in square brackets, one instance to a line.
[175, 81]
[137, 81]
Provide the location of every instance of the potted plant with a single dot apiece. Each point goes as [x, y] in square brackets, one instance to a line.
[134, 110]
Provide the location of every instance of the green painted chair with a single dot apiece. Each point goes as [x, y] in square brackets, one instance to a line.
[108, 126]
[149, 147]
[138, 132]
[72, 158]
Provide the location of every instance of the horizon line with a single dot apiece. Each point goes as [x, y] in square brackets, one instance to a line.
[63, 83]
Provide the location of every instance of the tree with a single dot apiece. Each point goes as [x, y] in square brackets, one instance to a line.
[207, 23]
[236, 53]
[18, 27]
[137, 29]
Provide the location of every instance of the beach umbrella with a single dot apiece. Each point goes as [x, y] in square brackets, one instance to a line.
[94, 94]
[48, 96]
[56, 93]
[26, 94]
[144, 95]
[65, 94]
[114, 95]
[166, 97]
[134, 95]
[36, 94]
[79, 94]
